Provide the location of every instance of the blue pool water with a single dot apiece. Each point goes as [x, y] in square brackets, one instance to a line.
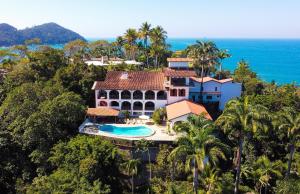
[132, 131]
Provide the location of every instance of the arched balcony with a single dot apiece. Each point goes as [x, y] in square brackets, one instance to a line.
[102, 94]
[102, 103]
[149, 106]
[114, 104]
[114, 94]
[125, 94]
[137, 95]
[137, 106]
[126, 105]
[149, 95]
[162, 95]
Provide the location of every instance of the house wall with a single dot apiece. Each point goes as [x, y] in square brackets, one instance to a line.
[225, 92]
[157, 103]
[178, 64]
[172, 99]
[182, 118]
[229, 90]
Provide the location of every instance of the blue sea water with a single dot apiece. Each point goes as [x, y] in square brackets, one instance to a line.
[271, 59]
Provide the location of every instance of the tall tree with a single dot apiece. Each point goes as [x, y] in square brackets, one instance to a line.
[265, 170]
[158, 38]
[144, 33]
[239, 119]
[223, 54]
[289, 120]
[205, 55]
[199, 147]
[144, 146]
[131, 37]
[132, 169]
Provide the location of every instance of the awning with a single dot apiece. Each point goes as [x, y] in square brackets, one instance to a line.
[103, 112]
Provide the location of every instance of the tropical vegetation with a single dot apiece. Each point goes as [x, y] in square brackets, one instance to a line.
[253, 146]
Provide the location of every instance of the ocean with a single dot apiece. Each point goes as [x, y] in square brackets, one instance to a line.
[272, 59]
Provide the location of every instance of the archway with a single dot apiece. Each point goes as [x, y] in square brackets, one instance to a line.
[149, 106]
[138, 95]
[114, 94]
[125, 94]
[149, 95]
[126, 105]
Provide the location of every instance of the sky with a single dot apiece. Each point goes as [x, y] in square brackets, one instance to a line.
[180, 18]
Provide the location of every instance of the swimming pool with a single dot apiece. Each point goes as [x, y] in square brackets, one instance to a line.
[128, 131]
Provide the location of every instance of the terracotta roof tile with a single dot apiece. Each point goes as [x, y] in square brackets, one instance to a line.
[178, 73]
[102, 111]
[185, 107]
[137, 80]
[179, 59]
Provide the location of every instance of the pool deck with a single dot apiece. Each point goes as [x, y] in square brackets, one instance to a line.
[160, 133]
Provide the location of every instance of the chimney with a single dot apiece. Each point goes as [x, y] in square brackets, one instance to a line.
[124, 75]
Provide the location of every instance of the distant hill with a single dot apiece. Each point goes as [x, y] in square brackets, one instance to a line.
[49, 33]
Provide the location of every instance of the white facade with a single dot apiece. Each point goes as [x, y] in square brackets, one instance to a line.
[178, 64]
[215, 91]
[178, 119]
[143, 104]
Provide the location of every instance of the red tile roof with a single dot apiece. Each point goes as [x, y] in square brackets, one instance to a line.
[137, 80]
[207, 79]
[178, 73]
[179, 59]
[185, 107]
[103, 111]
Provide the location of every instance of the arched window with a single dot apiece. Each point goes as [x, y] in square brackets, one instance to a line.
[126, 106]
[161, 95]
[125, 94]
[114, 104]
[102, 94]
[149, 106]
[102, 103]
[182, 92]
[149, 95]
[138, 95]
[173, 92]
[137, 106]
[114, 94]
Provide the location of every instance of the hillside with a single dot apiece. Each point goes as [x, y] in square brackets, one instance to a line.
[49, 33]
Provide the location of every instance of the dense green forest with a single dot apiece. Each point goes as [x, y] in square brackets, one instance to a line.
[252, 147]
[49, 33]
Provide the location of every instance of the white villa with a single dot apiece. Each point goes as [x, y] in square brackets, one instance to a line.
[141, 92]
[104, 61]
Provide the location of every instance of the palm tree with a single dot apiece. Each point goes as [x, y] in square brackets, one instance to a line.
[205, 56]
[131, 167]
[130, 37]
[223, 54]
[289, 120]
[158, 38]
[144, 33]
[210, 180]
[144, 146]
[118, 45]
[239, 119]
[265, 169]
[199, 147]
